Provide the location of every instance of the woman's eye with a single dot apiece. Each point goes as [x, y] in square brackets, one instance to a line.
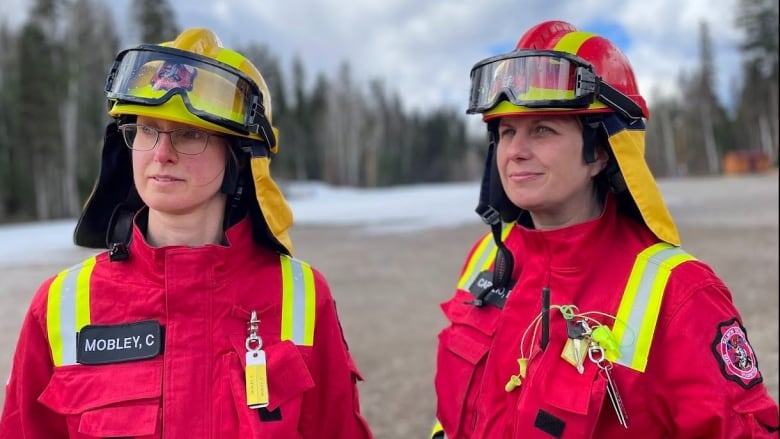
[148, 131]
[192, 134]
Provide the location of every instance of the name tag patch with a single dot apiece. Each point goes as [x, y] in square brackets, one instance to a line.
[106, 344]
[495, 297]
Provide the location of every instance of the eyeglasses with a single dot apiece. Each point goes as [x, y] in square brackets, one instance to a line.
[189, 141]
[542, 79]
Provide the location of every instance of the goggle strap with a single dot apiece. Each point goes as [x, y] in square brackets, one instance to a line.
[619, 102]
[258, 123]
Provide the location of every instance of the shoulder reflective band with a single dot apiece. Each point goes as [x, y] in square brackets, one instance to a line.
[438, 431]
[298, 301]
[482, 258]
[641, 303]
[67, 310]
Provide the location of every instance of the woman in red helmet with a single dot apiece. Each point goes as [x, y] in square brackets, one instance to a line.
[197, 322]
[579, 315]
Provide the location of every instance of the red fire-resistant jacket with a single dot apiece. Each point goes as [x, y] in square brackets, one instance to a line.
[195, 388]
[701, 377]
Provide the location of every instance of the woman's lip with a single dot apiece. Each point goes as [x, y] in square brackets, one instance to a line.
[165, 178]
[524, 174]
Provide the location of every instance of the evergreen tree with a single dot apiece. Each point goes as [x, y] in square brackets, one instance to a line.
[757, 113]
[89, 25]
[10, 147]
[156, 20]
[41, 91]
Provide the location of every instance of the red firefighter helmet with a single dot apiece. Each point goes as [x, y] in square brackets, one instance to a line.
[556, 68]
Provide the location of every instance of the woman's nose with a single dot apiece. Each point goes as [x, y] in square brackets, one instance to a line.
[164, 150]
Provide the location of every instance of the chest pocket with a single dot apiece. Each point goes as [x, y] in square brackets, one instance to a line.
[461, 358]
[557, 399]
[108, 401]
[287, 373]
[288, 379]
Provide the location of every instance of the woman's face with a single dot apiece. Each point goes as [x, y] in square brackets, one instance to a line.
[542, 169]
[175, 183]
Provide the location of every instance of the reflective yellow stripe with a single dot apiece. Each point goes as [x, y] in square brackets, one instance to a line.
[640, 305]
[438, 431]
[482, 258]
[67, 310]
[233, 59]
[298, 301]
[572, 41]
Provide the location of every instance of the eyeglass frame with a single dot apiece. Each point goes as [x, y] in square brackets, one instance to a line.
[122, 129]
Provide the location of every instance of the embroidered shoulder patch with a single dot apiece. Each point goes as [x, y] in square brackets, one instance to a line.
[735, 355]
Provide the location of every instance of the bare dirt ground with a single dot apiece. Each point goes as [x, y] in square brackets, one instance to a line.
[388, 289]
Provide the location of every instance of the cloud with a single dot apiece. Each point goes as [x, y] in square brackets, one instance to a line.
[424, 50]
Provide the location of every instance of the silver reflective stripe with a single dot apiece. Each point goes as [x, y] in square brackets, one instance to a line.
[67, 310]
[298, 301]
[68, 328]
[640, 305]
[482, 258]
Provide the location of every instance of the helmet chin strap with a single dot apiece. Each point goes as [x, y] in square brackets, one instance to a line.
[120, 226]
[233, 182]
[238, 186]
[494, 208]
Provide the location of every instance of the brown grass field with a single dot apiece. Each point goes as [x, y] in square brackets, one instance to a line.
[388, 288]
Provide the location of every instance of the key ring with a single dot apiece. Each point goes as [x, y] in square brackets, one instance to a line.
[251, 340]
[596, 355]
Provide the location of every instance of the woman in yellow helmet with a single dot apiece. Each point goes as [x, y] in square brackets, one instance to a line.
[197, 322]
[579, 315]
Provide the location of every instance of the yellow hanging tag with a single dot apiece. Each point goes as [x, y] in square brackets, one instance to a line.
[256, 379]
[575, 352]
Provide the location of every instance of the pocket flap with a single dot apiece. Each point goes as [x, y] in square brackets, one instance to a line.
[484, 319]
[126, 421]
[288, 374]
[77, 388]
[463, 345]
[582, 390]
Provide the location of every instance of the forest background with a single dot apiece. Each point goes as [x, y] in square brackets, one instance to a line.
[336, 130]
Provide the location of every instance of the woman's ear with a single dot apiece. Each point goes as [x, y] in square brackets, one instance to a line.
[601, 161]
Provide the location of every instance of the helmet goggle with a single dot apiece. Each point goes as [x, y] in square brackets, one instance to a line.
[211, 90]
[542, 79]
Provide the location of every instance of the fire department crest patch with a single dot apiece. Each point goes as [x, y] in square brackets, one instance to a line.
[735, 355]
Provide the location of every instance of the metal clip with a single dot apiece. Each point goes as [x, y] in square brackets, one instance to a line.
[253, 341]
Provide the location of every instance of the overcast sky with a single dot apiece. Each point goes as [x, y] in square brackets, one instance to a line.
[424, 49]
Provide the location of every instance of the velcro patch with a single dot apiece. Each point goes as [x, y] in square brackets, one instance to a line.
[735, 355]
[549, 423]
[269, 415]
[105, 344]
[484, 282]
